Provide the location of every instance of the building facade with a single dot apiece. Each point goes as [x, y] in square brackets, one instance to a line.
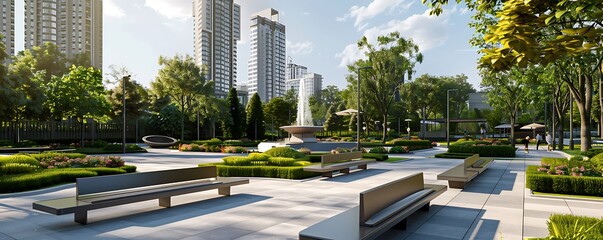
[294, 71]
[478, 101]
[217, 25]
[313, 84]
[7, 29]
[75, 26]
[266, 66]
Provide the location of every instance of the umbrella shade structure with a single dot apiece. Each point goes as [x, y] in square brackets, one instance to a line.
[503, 126]
[533, 126]
[346, 112]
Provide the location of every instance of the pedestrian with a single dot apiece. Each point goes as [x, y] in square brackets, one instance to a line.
[538, 140]
[549, 142]
[525, 142]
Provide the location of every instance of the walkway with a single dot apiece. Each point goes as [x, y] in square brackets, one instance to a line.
[496, 205]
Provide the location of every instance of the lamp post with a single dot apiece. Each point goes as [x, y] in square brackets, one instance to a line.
[408, 120]
[448, 116]
[358, 116]
[123, 99]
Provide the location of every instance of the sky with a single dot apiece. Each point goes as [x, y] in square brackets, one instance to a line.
[321, 35]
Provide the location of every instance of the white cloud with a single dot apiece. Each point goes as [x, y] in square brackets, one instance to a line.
[111, 9]
[376, 7]
[300, 48]
[172, 9]
[427, 31]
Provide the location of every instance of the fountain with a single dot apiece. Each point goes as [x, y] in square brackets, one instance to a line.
[304, 131]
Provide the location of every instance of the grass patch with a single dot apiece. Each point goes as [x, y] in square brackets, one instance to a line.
[395, 159]
[559, 195]
[573, 153]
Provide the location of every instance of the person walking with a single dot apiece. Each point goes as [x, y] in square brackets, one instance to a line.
[549, 142]
[525, 142]
[538, 140]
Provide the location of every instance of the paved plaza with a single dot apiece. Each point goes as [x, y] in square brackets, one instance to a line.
[495, 205]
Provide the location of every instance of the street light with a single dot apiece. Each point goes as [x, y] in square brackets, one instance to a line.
[123, 99]
[408, 120]
[358, 116]
[448, 116]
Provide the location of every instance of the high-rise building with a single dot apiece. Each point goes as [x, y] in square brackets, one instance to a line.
[313, 83]
[7, 29]
[217, 25]
[295, 71]
[75, 26]
[266, 70]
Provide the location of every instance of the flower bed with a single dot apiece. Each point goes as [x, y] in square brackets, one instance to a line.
[562, 179]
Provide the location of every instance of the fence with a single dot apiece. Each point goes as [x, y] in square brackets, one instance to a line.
[65, 130]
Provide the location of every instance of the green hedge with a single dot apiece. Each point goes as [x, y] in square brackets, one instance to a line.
[454, 155]
[49, 155]
[295, 172]
[44, 178]
[413, 144]
[484, 151]
[129, 168]
[284, 152]
[542, 182]
[281, 161]
[378, 150]
[566, 225]
[555, 161]
[23, 159]
[376, 156]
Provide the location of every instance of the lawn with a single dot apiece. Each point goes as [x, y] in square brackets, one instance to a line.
[395, 159]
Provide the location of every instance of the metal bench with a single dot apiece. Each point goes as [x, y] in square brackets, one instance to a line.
[463, 173]
[108, 191]
[381, 208]
[342, 162]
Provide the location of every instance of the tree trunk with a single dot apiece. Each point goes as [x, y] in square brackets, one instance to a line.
[384, 127]
[423, 126]
[512, 131]
[182, 124]
[559, 130]
[584, 128]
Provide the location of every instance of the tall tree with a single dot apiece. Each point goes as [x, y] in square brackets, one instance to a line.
[390, 60]
[255, 118]
[276, 111]
[136, 100]
[183, 81]
[235, 127]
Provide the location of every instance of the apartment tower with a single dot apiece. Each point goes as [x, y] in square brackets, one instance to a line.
[7, 29]
[75, 26]
[217, 25]
[266, 67]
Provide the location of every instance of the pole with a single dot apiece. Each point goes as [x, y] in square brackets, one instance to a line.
[571, 123]
[358, 101]
[448, 116]
[553, 129]
[123, 98]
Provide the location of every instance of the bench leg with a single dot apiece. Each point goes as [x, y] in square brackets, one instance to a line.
[425, 207]
[456, 184]
[345, 170]
[81, 217]
[363, 166]
[224, 191]
[327, 174]
[401, 225]
[165, 202]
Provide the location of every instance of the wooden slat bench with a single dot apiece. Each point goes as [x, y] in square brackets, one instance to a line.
[381, 208]
[108, 191]
[463, 173]
[342, 162]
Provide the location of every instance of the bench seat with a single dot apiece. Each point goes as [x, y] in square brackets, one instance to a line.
[339, 162]
[458, 176]
[346, 225]
[481, 165]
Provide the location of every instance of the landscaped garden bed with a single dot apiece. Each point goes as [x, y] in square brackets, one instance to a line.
[454, 155]
[217, 145]
[566, 226]
[33, 171]
[487, 148]
[573, 177]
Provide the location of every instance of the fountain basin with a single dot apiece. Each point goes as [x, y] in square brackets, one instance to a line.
[302, 134]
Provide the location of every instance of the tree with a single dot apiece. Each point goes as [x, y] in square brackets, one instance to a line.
[183, 81]
[255, 118]
[166, 121]
[8, 95]
[291, 98]
[277, 111]
[234, 128]
[331, 122]
[330, 95]
[136, 100]
[390, 60]
[46, 57]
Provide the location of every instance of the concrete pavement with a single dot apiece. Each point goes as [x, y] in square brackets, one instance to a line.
[496, 205]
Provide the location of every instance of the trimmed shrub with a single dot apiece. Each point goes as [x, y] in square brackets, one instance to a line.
[543, 182]
[412, 144]
[454, 155]
[302, 163]
[305, 151]
[129, 168]
[213, 142]
[236, 161]
[17, 168]
[378, 150]
[399, 149]
[258, 157]
[47, 156]
[234, 149]
[376, 156]
[281, 161]
[19, 159]
[483, 150]
[555, 161]
[592, 152]
[117, 147]
[597, 160]
[295, 172]
[284, 152]
[211, 148]
[567, 225]
[44, 178]
[106, 171]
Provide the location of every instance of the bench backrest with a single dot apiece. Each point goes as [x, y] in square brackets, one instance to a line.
[332, 158]
[471, 160]
[134, 180]
[376, 199]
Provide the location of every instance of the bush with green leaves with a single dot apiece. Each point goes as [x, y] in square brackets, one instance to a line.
[376, 156]
[294, 172]
[259, 157]
[597, 160]
[399, 149]
[378, 150]
[592, 152]
[412, 144]
[47, 156]
[40, 179]
[302, 163]
[235, 149]
[17, 168]
[284, 152]
[237, 161]
[281, 161]
[482, 150]
[213, 142]
[117, 147]
[454, 155]
[19, 159]
[566, 226]
[540, 181]
[305, 151]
